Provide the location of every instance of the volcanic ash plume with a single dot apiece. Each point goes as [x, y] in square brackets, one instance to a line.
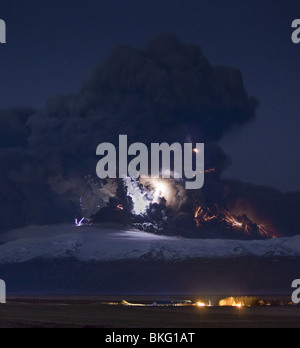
[166, 91]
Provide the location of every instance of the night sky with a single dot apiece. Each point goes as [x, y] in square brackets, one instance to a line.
[52, 45]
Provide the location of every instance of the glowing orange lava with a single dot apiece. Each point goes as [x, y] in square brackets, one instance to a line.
[243, 224]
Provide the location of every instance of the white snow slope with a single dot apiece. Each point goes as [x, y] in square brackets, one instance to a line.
[96, 244]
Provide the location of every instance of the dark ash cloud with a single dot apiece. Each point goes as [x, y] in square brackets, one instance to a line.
[165, 92]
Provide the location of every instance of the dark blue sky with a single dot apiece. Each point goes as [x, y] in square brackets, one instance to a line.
[52, 44]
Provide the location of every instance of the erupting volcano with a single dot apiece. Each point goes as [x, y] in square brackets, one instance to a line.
[164, 92]
[241, 224]
[163, 206]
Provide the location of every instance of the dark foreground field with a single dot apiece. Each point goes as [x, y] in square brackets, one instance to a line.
[80, 313]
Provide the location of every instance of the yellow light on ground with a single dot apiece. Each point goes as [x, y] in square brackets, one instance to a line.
[233, 302]
[200, 304]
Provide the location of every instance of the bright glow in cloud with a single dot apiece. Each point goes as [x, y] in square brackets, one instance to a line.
[144, 195]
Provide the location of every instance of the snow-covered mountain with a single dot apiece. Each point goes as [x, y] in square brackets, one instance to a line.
[91, 243]
[89, 259]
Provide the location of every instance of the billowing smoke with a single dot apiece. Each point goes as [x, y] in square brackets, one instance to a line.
[24, 196]
[146, 192]
[271, 207]
[165, 92]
